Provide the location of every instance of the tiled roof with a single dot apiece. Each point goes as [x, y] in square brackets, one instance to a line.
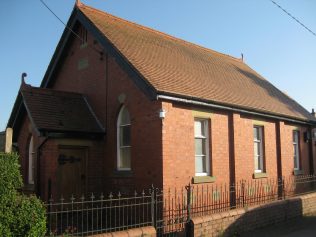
[174, 66]
[58, 111]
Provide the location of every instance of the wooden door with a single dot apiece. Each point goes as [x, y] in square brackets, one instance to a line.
[71, 171]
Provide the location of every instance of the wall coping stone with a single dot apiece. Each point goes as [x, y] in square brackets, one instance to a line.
[242, 211]
[148, 231]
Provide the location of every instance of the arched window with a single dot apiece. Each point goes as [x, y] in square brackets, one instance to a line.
[31, 168]
[124, 140]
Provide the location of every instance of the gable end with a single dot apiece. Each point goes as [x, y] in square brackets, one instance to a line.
[78, 17]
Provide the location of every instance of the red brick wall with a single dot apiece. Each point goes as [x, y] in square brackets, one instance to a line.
[49, 156]
[287, 149]
[23, 144]
[178, 146]
[26, 132]
[220, 146]
[92, 81]
[162, 150]
[237, 221]
[244, 151]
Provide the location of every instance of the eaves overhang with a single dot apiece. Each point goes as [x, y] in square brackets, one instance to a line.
[233, 108]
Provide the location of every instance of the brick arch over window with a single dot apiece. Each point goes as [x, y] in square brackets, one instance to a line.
[123, 140]
[31, 161]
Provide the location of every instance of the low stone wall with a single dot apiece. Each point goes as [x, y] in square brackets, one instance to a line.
[148, 231]
[240, 220]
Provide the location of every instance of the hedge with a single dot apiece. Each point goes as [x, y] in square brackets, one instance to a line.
[20, 215]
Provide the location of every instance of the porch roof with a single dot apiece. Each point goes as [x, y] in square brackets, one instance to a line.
[59, 111]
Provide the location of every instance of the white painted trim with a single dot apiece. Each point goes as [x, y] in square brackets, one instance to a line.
[207, 149]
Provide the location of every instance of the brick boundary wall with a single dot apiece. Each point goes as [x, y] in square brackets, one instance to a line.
[148, 231]
[234, 222]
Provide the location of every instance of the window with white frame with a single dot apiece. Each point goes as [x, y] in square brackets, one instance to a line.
[31, 161]
[258, 149]
[124, 140]
[201, 138]
[296, 150]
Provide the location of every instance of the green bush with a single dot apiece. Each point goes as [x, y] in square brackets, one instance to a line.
[10, 177]
[19, 215]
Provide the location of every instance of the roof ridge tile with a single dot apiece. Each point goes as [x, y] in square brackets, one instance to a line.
[42, 90]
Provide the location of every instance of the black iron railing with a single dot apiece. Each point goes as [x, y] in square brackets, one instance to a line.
[99, 214]
[167, 210]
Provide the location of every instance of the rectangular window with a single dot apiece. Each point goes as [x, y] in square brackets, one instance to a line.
[258, 149]
[201, 139]
[296, 151]
[124, 140]
[83, 35]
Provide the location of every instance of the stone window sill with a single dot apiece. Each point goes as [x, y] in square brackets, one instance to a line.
[84, 45]
[260, 175]
[298, 172]
[28, 187]
[123, 173]
[203, 179]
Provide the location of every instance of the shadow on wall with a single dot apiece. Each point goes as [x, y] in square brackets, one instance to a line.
[265, 215]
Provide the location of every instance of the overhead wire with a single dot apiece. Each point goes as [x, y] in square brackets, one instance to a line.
[73, 32]
[293, 17]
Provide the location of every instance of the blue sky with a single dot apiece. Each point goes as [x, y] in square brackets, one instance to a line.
[273, 44]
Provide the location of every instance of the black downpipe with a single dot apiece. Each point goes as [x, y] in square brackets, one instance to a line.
[232, 172]
[311, 155]
[279, 158]
[106, 89]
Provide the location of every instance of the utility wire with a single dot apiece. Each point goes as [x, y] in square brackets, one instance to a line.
[78, 36]
[294, 18]
[60, 20]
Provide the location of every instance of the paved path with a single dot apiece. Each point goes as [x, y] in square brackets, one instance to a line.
[302, 227]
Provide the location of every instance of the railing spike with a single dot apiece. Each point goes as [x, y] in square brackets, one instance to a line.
[82, 198]
[51, 199]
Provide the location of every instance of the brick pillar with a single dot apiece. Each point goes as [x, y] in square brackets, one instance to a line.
[279, 155]
[232, 166]
[8, 140]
